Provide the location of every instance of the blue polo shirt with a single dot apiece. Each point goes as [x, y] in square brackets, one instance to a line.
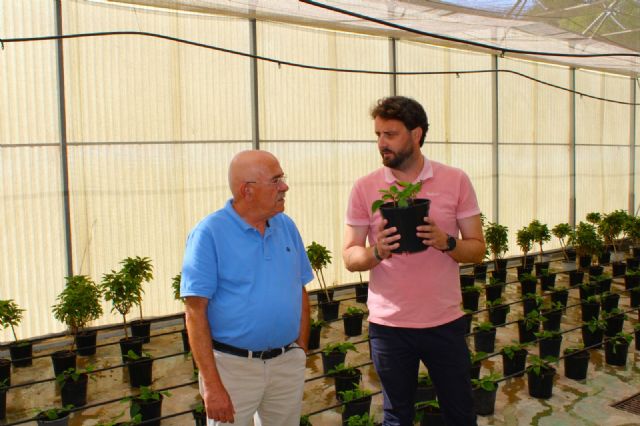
[253, 282]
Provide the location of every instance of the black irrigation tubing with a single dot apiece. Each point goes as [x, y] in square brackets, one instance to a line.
[340, 404]
[313, 67]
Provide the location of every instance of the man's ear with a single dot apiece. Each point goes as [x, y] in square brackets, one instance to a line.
[416, 134]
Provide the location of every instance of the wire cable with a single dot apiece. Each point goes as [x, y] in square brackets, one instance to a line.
[305, 66]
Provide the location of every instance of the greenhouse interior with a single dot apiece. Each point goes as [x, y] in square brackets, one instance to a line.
[121, 118]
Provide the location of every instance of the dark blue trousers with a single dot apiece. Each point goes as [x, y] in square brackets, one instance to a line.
[396, 353]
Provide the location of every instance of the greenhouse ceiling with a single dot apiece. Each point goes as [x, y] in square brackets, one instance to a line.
[556, 31]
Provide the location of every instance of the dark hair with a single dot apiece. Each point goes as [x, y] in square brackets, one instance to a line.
[404, 109]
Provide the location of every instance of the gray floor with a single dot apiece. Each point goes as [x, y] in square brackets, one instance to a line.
[586, 402]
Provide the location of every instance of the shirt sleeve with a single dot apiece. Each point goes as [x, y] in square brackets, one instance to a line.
[357, 209]
[467, 200]
[199, 267]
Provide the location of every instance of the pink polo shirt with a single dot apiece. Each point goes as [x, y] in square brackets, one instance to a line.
[422, 289]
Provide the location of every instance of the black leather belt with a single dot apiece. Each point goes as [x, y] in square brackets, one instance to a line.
[232, 350]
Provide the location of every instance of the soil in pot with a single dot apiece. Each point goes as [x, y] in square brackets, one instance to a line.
[21, 354]
[86, 342]
[62, 361]
[141, 328]
[406, 219]
[74, 392]
[576, 364]
[541, 385]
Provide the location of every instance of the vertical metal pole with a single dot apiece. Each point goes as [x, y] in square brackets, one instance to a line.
[393, 64]
[64, 160]
[632, 148]
[572, 152]
[255, 119]
[495, 141]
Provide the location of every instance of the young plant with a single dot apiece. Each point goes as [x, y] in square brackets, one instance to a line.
[497, 238]
[620, 339]
[146, 395]
[485, 326]
[586, 240]
[122, 293]
[537, 364]
[74, 374]
[138, 270]
[353, 311]
[78, 304]
[53, 413]
[487, 382]
[304, 420]
[548, 334]
[476, 357]
[320, 258]
[611, 226]
[539, 233]
[361, 420]
[10, 315]
[510, 350]
[562, 231]
[399, 197]
[352, 395]
[532, 319]
[316, 323]
[524, 239]
[595, 324]
[342, 347]
[342, 369]
[175, 286]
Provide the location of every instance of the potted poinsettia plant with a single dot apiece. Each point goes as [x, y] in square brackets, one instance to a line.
[402, 210]
[139, 270]
[78, 304]
[319, 258]
[10, 316]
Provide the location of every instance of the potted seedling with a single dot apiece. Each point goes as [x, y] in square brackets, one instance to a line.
[147, 405]
[314, 334]
[175, 286]
[593, 332]
[357, 401]
[362, 420]
[615, 321]
[616, 349]
[497, 239]
[428, 413]
[484, 394]
[528, 326]
[402, 210]
[10, 316]
[73, 384]
[514, 357]
[552, 313]
[345, 377]
[524, 240]
[199, 414]
[123, 293]
[484, 337]
[470, 297]
[476, 359]
[139, 270]
[53, 416]
[540, 376]
[320, 258]
[352, 320]
[563, 232]
[493, 290]
[549, 342]
[334, 354]
[78, 304]
[498, 311]
[576, 362]
[140, 368]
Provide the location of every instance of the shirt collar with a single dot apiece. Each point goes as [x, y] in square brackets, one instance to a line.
[425, 173]
[228, 207]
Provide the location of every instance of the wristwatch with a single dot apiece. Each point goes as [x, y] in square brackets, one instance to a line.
[451, 243]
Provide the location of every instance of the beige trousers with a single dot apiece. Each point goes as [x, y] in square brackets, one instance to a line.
[264, 393]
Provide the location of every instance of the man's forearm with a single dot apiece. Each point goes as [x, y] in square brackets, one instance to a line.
[303, 337]
[358, 258]
[468, 251]
[201, 344]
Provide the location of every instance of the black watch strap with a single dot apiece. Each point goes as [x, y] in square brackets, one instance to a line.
[451, 243]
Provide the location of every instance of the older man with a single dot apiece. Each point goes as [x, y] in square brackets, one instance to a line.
[247, 311]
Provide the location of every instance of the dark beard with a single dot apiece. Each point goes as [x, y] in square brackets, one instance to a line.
[398, 159]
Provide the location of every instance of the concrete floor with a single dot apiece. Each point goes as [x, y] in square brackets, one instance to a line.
[585, 402]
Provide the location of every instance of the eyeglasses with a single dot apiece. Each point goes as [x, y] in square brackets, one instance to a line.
[276, 181]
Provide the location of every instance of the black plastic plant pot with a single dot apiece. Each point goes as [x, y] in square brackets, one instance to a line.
[526, 335]
[484, 401]
[633, 263]
[584, 261]
[587, 289]
[141, 328]
[425, 393]
[493, 292]
[500, 274]
[185, 340]
[576, 364]
[498, 314]
[480, 271]
[474, 371]
[540, 266]
[362, 292]
[62, 361]
[314, 337]
[330, 310]
[609, 302]
[560, 296]
[470, 300]
[592, 339]
[130, 343]
[357, 407]
[550, 347]
[631, 281]
[151, 409]
[541, 385]
[604, 258]
[595, 270]
[575, 277]
[321, 296]
[21, 354]
[604, 285]
[618, 269]
[589, 310]
[432, 416]
[352, 324]
[140, 372]
[514, 366]
[484, 341]
[75, 392]
[5, 371]
[406, 220]
[501, 264]
[614, 325]
[3, 403]
[615, 352]
[637, 339]
[86, 342]
[552, 320]
[345, 381]
[200, 419]
[527, 287]
[521, 270]
[547, 281]
[634, 298]
[467, 280]
[329, 361]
